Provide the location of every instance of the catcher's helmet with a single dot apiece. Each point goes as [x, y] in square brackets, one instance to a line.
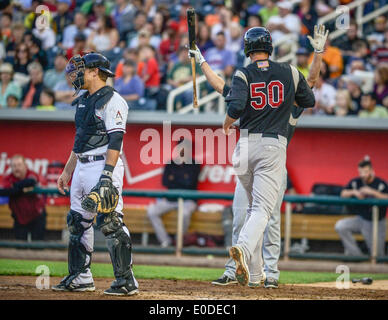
[257, 39]
[75, 68]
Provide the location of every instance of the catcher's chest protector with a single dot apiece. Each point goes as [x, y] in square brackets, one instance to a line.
[90, 130]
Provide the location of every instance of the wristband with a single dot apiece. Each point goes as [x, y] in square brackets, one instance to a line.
[108, 171]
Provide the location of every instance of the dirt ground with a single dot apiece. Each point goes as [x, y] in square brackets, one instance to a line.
[23, 287]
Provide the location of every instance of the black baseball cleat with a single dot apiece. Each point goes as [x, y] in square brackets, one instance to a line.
[122, 287]
[224, 281]
[84, 287]
[242, 271]
[271, 283]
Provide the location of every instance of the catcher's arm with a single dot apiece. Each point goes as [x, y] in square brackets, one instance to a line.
[213, 78]
[67, 172]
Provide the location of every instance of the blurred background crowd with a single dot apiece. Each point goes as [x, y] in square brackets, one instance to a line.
[145, 42]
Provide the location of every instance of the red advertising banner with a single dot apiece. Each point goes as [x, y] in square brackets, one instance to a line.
[325, 156]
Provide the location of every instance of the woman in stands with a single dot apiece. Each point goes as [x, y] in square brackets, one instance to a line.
[106, 37]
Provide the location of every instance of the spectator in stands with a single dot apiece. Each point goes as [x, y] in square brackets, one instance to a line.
[271, 9]
[17, 32]
[128, 54]
[63, 17]
[159, 23]
[343, 103]
[138, 24]
[380, 53]
[324, 97]
[370, 109]
[57, 74]
[203, 41]
[180, 74]
[220, 58]
[46, 100]
[170, 44]
[37, 53]
[71, 31]
[5, 26]
[367, 185]
[130, 86]
[7, 85]
[381, 84]
[13, 102]
[106, 37]
[95, 9]
[64, 95]
[236, 40]
[22, 59]
[79, 46]
[226, 16]
[214, 17]
[308, 16]
[32, 90]
[181, 173]
[144, 37]
[302, 61]
[123, 15]
[359, 60]
[182, 21]
[380, 27]
[353, 85]
[286, 23]
[254, 21]
[333, 58]
[45, 35]
[28, 209]
[148, 70]
[345, 42]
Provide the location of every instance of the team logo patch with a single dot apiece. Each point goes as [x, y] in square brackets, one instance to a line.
[262, 64]
[118, 116]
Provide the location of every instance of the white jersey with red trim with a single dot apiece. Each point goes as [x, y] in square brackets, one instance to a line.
[115, 115]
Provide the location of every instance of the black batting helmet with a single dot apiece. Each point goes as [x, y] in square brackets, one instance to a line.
[257, 39]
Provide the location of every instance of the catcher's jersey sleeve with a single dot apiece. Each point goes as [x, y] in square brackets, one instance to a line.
[115, 114]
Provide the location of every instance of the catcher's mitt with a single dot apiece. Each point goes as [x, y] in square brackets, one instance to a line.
[103, 198]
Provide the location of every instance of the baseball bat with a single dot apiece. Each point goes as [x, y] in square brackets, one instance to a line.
[191, 26]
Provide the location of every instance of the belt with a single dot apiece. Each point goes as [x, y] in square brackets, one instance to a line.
[87, 159]
[270, 135]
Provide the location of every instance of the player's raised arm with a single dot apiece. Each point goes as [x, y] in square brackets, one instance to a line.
[318, 43]
[213, 78]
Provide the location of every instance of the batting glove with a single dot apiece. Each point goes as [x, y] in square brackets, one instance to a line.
[197, 55]
[320, 36]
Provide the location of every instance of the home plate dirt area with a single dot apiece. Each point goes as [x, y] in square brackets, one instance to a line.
[23, 287]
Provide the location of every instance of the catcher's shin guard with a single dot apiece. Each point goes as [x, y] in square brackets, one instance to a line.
[79, 259]
[119, 244]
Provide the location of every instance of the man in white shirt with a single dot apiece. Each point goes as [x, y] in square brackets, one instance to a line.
[100, 120]
[324, 97]
[285, 23]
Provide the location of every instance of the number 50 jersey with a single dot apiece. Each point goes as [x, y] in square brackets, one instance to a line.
[263, 93]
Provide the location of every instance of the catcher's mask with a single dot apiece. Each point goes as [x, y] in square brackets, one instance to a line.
[75, 70]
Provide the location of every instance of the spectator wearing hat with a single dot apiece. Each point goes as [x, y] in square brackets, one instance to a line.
[370, 109]
[32, 90]
[220, 58]
[302, 61]
[57, 74]
[171, 43]
[285, 23]
[79, 46]
[129, 85]
[28, 209]
[367, 185]
[381, 84]
[105, 38]
[71, 31]
[7, 85]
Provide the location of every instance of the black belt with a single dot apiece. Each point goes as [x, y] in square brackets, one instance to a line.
[87, 159]
[270, 135]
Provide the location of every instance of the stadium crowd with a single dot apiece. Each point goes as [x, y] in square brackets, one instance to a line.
[145, 42]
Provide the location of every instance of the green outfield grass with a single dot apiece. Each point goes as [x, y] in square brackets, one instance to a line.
[104, 270]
